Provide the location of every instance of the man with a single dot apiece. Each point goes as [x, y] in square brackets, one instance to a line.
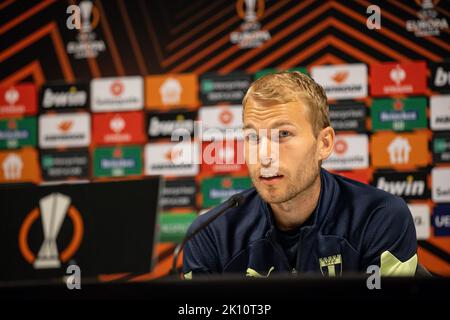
[299, 218]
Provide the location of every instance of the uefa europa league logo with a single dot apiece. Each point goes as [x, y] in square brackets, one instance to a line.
[250, 14]
[53, 211]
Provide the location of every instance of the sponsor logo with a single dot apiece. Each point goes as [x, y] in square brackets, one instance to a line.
[348, 117]
[429, 23]
[251, 35]
[19, 166]
[18, 100]
[440, 76]
[53, 210]
[15, 133]
[255, 274]
[117, 88]
[440, 178]
[170, 91]
[350, 152]
[440, 112]
[63, 165]
[113, 128]
[421, 217]
[173, 226]
[178, 193]
[64, 130]
[12, 167]
[408, 185]
[172, 159]
[117, 94]
[441, 147]
[84, 18]
[164, 125]
[399, 114]
[441, 220]
[401, 151]
[223, 157]
[220, 122]
[347, 81]
[163, 91]
[230, 88]
[118, 161]
[392, 78]
[218, 189]
[64, 97]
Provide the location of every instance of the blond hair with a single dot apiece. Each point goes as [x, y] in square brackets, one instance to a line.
[284, 87]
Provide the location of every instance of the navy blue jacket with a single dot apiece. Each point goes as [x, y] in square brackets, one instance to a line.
[354, 226]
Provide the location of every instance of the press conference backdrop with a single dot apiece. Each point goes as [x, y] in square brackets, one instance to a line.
[96, 96]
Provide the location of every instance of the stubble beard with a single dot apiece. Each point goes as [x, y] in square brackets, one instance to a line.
[295, 187]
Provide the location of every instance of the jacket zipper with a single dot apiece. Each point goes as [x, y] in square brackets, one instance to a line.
[277, 247]
[299, 249]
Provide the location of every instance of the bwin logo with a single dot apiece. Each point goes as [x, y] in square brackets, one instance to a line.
[402, 188]
[71, 98]
[442, 77]
[167, 127]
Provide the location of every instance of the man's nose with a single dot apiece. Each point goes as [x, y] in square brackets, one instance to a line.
[267, 152]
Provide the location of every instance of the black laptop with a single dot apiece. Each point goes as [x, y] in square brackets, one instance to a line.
[99, 227]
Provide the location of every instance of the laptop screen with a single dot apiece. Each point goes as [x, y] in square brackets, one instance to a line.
[101, 227]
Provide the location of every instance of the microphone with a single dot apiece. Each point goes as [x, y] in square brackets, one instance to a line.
[234, 202]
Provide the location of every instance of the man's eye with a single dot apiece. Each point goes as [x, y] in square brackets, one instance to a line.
[252, 137]
[284, 134]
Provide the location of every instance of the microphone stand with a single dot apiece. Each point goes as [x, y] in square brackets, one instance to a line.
[233, 202]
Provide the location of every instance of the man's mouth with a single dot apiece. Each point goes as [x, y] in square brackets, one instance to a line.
[271, 178]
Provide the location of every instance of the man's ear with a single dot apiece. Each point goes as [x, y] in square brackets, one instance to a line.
[325, 141]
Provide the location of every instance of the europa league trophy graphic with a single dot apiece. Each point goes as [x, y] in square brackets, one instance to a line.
[250, 14]
[53, 211]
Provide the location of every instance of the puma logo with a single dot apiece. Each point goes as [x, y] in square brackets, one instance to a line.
[254, 274]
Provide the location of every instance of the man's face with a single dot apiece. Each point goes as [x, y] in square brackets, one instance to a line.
[280, 170]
